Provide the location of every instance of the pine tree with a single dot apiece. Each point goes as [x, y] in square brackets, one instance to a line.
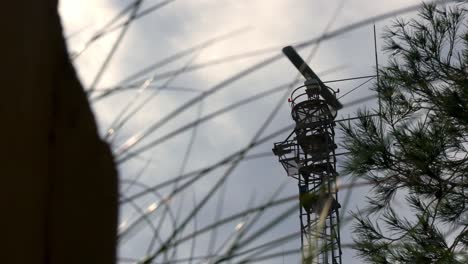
[415, 152]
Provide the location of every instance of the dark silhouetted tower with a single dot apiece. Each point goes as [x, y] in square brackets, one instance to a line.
[308, 155]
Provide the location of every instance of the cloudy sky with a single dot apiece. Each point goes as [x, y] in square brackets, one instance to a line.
[218, 40]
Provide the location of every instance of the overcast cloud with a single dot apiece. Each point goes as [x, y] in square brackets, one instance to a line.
[182, 24]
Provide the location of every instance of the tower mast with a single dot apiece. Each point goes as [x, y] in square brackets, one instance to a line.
[308, 155]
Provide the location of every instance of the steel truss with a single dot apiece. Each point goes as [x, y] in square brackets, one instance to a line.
[308, 155]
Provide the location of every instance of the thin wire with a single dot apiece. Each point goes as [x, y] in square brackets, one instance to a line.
[350, 79]
[378, 81]
[109, 91]
[357, 87]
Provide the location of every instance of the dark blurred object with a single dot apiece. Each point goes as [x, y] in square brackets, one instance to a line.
[59, 183]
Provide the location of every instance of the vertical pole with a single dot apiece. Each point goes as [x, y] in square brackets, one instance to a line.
[302, 224]
[378, 81]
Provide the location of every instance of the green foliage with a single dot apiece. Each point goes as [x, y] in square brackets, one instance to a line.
[417, 148]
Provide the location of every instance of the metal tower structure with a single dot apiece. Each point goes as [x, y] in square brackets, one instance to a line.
[308, 155]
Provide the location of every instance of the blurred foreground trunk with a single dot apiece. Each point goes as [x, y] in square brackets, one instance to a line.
[59, 184]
